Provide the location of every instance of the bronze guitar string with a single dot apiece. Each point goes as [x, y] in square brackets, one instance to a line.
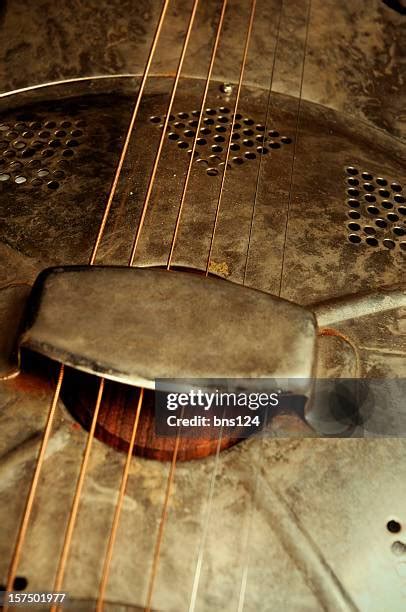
[22, 531]
[76, 500]
[33, 487]
[124, 480]
[206, 522]
[216, 461]
[199, 124]
[163, 136]
[130, 128]
[177, 441]
[77, 497]
[252, 500]
[119, 504]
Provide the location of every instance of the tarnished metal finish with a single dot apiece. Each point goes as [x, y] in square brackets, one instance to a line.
[43, 221]
[136, 326]
[347, 558]
[309, 227]
[354, 60]
[317, 564]
[12, 304]
[360, 305]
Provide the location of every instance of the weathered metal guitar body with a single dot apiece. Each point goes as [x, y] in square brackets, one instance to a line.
[313, 208]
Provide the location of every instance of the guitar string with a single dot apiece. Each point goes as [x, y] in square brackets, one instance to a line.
[76, 500]
[130, 128]
[200, 120]
[200, 558]
[237, 99]
[268, 106]
[119, 503]
[252, 508]
[209, 503]
[245, 550]
[123, 486]
[163, 135]
[33, 488]
[212, 483]
[79, 485]
[143, 216]
[22, 531]
[293, 156]
[175, 452]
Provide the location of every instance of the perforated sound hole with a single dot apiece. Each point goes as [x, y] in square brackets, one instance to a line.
[36, 150]
[376, 210]
[248, 141]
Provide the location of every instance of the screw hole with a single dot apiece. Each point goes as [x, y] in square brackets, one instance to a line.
[389, 244]
[212, 171]
[370, 198]
[386, 204]
[53, 185]
[354, 239]
[398, 548]
[372, 241]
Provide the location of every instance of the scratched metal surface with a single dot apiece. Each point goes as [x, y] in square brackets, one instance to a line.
[353, 64]
[302, 517]
[46, 226]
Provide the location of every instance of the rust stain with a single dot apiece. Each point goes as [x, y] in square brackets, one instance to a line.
[30, 383]
[328, 331]
[220, 268]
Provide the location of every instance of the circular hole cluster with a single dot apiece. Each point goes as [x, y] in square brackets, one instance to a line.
[376, 210]
[35, 151]
[248, 138]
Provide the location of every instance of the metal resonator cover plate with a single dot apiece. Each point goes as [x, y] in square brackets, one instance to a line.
[138, 325]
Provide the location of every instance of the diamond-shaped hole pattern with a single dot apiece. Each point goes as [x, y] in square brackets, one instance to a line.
[376, 210]
[249, 138]
[37, 150]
